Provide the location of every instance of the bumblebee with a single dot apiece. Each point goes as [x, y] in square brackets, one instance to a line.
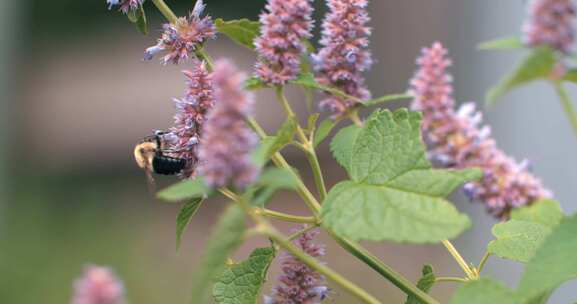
[150, 156]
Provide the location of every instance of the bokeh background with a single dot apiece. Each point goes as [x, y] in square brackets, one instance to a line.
[75, 97]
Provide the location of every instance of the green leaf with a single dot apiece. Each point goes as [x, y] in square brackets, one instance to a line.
[241, 31]
[141, 22]
[241, 283]
[547, 212]
[483, 291]
[517, 240]
[308, 80]
[386, 98]
[323, 131]
[376, 213]
[538, 65]
[260, 155]
[433, 182]
[226, 237]
[506, 43]
[283, 137]
[192, 188]
[342, 145]
[394, 195]
[571, 76]
[554, 262]
[132, 16]
[425, 284]
[184, 216]
[270, 181]
[389, 145]
[254, 83]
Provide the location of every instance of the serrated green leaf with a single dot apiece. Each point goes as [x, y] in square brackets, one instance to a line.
[386, 98]
[226, 237]
[185, 190]
[394, 195]
[241, 283]
[506, 43]
[438, 183]
[342, 145]
[554, 262]
[517, 240]
[538, 65]
[323, 131]
[376, 213]
[241, 31]
[389, 145]
[547, 212]
[483, 291]
[184, 216]
[425, 284]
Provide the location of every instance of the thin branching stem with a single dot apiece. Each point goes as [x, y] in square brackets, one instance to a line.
[457, 256]
[165, 11]
[451, 279]
[567, 104]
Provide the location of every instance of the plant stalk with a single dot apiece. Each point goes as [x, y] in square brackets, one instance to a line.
[567, 104]
[287, 217]
[457, 256]
[165, 11]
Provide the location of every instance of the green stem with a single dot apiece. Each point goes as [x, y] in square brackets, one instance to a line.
[295, 235]
[317, 172]
[322, 269]
[206, 57]
[567, 104]
[397, 279]
[289, 111]
[287, 217]
[166, 11]
[457, 256]
[451, 279]
[483, 262]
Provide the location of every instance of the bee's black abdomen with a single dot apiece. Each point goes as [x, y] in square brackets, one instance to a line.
[168, 165]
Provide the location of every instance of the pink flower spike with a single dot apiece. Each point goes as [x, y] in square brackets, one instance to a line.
[98, 285]
[191, 112]
[125, 6]
[457, 139]
[180, 40]
[285, 25]
[551, 23]
[298, 282]
[227, 142]
[344, 55]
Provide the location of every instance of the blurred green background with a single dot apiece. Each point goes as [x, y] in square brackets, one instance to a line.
[75, 97]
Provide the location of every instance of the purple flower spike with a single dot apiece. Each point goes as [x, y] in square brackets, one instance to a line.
[191, 111]
[457, 139]
[551, 23]
[344, 55]
[125, 5]
[180, 40]
[298, 283]
[98, 285]
[227, 141]
[284, 27]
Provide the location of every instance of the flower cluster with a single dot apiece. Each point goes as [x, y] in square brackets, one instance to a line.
[298, 282]
[191, 111]
[458, 140]
[551, 23]
[344, 55]
[98, 285]
[285, 25]
[226, 140]
[184, 37]
[125, 5]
